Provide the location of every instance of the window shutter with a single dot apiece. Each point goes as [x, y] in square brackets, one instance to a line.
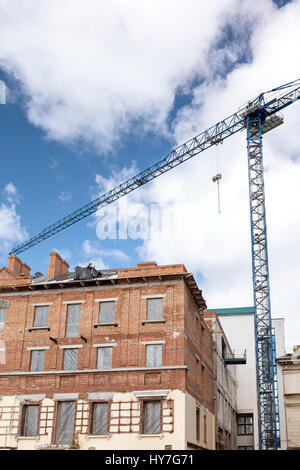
[65, 426]
[30, 420]
[73, 321]
[41, 315]
[155, 309]
[152, 416]
[37, 360]
[153, 355]
[104, 358]
[106, 312]
[100, 418]
[70, 359]
[2, 318]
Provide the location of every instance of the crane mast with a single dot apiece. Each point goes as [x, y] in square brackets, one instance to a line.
[258, 116]
[261, 289]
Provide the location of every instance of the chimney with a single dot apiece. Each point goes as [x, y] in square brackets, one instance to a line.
[64, 267]
[17, 266]
[147, 264]
[25, 269]
[57, 266]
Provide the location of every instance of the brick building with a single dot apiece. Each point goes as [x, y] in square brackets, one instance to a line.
[111, 359]
[225, 385]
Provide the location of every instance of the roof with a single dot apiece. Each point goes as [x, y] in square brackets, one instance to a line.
[69, 277]
[86, 277]
[232, 311]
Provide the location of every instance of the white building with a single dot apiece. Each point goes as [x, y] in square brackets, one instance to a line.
[238, 324]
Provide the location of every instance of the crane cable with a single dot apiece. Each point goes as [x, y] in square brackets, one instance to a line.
[217, 170]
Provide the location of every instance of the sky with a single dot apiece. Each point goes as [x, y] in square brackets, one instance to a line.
[98, 91]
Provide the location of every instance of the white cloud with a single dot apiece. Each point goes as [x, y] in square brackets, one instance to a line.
[116, 177]
[11, 193]
[11, 229]
[218, 245]
[65, 253]
[65, 196]
[92, 252]
[220, 248]
[93, 70]
[10, 189]
[92, 249]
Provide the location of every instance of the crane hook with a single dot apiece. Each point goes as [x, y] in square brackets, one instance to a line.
[217, 179]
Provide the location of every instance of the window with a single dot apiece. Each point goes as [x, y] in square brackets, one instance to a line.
[65, 422]
[104, 359]
[99, 423]
[223, 349]
[205, 429]
[197, 424]
[151, 420]
[153, 355]
[155, 309]
[41, 316]
[73, 320]
[107, 312]
[70, 359]
[37, 360]
[245, 425]
[30, 419]
[2, 318]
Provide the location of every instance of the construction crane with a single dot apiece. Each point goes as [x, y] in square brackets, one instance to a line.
[257, 117]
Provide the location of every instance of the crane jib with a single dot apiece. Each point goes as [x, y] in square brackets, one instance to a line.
[189, 149]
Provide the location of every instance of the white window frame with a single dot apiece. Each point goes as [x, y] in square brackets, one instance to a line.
[2, 323]
[151, 345]
[154, 297]
[99, 312]
[92, 426]
[98, 350]
[65, 351]
[33, 350]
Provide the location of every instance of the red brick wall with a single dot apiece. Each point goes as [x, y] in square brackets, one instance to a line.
[152, 269]
[130, 310]
[198, 354]
[183, 340]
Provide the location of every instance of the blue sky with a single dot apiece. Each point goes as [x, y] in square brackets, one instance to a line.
[95, 95]
[54, 178]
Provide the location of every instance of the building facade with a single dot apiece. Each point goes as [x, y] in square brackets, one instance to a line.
[238, 324]
[290, 366]
[104, 359]
[224, 386]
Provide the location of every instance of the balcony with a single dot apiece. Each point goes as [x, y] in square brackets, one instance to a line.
[236, 357]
